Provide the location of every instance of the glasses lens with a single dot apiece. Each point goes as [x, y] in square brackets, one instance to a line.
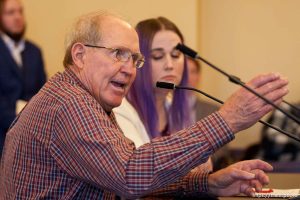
[122, 55]
[138, 60]
[140, 63]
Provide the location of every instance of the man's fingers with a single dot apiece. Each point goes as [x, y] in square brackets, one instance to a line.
[256, 185]
[256, 164]
[261, 176]
[242, 175]
[262, 80]
[272, 86]
[278, 94]
[273, 90]
[247, 189]
[243, 109]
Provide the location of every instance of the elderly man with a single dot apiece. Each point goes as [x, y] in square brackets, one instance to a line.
[66, 143]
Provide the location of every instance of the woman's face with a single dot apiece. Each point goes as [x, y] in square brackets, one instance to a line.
[166, 61]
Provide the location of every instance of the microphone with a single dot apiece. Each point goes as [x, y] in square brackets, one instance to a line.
[172, 86]
[188, 51]
[165, 85]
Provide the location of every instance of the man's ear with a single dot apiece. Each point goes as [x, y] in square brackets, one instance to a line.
[78, 54]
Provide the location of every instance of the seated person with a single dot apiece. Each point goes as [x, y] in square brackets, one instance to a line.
[200, 109]
[160, 112]
[279, 146]
[276, 147]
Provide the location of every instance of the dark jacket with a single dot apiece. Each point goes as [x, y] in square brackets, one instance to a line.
[18, 83]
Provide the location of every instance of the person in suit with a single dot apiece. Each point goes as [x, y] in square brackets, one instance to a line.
[280, 147]
[21, 65]
[200, 109]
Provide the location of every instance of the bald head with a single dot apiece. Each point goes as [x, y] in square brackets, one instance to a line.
[89, 29]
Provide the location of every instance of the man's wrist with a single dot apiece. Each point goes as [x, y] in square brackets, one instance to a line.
[197, 182]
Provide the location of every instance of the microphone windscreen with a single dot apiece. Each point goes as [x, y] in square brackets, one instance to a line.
[165, 85]
[186, 50]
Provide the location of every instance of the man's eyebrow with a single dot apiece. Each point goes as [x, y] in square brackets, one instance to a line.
[125, 48]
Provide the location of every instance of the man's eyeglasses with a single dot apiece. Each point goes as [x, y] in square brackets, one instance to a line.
[123, 55]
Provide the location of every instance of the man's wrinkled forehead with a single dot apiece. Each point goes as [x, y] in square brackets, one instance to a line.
[119, 32]
[112, 24]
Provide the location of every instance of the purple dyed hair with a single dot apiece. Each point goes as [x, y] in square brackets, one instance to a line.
[141, 94]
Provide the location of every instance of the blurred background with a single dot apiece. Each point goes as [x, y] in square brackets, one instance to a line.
[242, 37]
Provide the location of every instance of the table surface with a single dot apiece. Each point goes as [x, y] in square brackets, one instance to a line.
[277, 181]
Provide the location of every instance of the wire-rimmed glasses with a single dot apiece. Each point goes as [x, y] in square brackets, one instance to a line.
[123, 55]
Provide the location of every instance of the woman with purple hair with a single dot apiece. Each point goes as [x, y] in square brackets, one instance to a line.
[149, 112]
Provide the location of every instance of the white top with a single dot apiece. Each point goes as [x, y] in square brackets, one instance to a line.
[131, 124]
[134, 129]
[14, 48]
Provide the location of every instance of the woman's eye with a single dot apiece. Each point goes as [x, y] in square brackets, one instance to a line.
[175, 54]
[157, 56]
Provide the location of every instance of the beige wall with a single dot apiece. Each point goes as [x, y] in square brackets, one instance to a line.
[48, 21]
[243, 37]
[248, 37]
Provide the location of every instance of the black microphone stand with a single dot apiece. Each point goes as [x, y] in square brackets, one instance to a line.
[186, 50]
[166, 85]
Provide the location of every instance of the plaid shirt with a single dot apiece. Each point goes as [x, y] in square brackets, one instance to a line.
[63, 145]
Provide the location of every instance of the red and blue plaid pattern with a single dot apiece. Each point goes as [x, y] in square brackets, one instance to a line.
[65, 146]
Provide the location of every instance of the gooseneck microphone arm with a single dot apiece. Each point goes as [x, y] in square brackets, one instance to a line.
[172, 86]
[186, 50]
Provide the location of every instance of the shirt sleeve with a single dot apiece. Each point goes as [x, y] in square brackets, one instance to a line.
[195, 183]
[88, 144]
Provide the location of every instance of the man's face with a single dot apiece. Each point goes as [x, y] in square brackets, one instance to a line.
[12, 18]
[106, 78]
[194, 74]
